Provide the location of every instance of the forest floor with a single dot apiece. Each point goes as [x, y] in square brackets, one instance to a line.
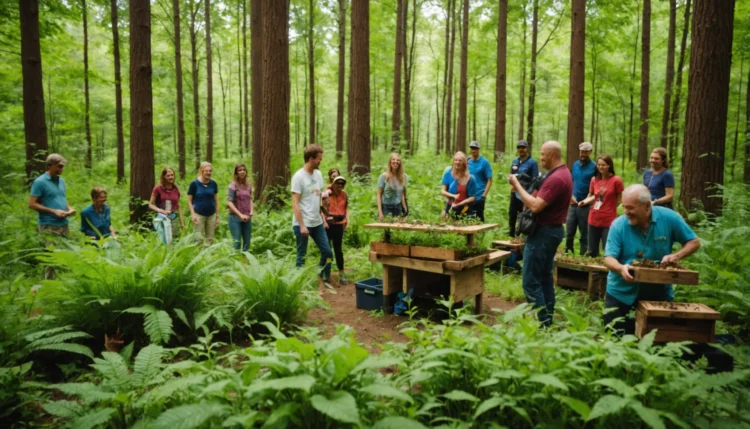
[373, 328]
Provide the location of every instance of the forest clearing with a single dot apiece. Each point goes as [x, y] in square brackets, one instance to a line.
[386, 213]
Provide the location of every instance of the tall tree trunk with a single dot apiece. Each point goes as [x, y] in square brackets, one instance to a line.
[746, 176]
[118, 95]
[707, 104]
[632, 81]
[408, 70]
[501, 77]
[441, 114]
[449, 88]
[643, 151]
[577, 80]
[257, 8]
[209, 88]
[670, 73]
[141, 111]
[86, 105]
[474, 111]
[532, 83]
[359, 157]
[311, 65]
[242, 29]
[193, 10]
[522, 98]
[594, 55]
[673, 135]
[438, 109]
[341, 76]
[463, 98]
[223, 100]
[34, 127]
[178, 80]
[275, 112]
[397, 66]
[737, 123]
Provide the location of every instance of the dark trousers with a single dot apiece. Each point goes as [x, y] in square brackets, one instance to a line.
[336, 236]
[597, 235]
[538, 265]
[578, 218]
[516, 206]
[318, 234]
[394, 210]
[620, 309]
[479, 209]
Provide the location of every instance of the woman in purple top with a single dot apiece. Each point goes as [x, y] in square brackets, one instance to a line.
[165, 199]
[240, 205]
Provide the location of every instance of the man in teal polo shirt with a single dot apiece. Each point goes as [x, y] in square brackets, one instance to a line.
[48, 198]
[643, 232]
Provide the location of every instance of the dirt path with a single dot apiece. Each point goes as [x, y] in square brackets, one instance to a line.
[374, 328]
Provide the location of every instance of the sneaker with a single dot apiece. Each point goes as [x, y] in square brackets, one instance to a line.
[343, 281]
[327, 285]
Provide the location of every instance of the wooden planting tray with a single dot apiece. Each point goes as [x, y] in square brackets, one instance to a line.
[424, 252]
[390, 249]
[664, 276]
[676, 321]
[508, 245]
[591, 278]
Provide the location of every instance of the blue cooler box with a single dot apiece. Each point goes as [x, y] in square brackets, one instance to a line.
[370, 294]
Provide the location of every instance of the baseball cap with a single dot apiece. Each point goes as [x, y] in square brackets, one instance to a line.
[474, 145]
[340, 179]
[585, 146]
[522, 143]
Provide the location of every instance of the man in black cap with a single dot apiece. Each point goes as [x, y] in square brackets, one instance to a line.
[480, 168]
[524, 165]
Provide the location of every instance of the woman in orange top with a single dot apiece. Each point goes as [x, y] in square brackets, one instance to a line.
[335, 211]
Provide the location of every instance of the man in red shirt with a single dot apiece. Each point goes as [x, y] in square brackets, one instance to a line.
[550, 204]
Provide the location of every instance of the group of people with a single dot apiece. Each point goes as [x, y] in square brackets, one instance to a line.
[586, 199]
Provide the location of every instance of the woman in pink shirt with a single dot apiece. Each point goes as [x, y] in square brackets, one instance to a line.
[605, 194]
[165, 199]
[240, 205]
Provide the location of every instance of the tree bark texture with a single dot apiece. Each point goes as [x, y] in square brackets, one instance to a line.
[670, 73]
[501, 77]
[632, 81]
[193, 9]
[118, 94]
[746, 176]
[275, 112]
[209, 87]
[737, 122]
[522, 97]
[397, 66]
[141, 111]
[241, 38]
[34, 126]
[449, 105]
[341, 80]
[463, 98]
[532, 80]
[707, 104]
[178, 80]
[675, 112]
[359, 156]
[257, 8]
[577, 80]
[311, 65]
[441, 114]
[86, 104]
[643, 151]
[409, 49]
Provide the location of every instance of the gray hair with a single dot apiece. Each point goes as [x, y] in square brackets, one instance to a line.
[638, 190]
[55, 159]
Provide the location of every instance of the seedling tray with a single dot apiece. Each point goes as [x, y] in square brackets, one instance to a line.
[676, 321]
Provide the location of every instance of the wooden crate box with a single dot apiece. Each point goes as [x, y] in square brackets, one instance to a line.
[587, 277]
[676, 321]
[665, 276]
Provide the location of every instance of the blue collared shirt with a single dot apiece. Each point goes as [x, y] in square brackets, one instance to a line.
[96, 224]
[482, 172]
[52, 194]
[625, 242]
[582, 175]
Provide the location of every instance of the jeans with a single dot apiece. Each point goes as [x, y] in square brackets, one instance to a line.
[516, 206]
[394, 210]
[479, 209]
[318, 234]
[241, 232]
[597, 234]
[336, 236]
[621, 309]
[206, 227]
[578, 217]
[538, 266]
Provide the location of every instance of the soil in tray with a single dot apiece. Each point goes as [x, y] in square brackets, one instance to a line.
[667, 266]
[676, 306]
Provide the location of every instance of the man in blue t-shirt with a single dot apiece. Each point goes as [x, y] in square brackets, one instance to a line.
[578, 216]
[49, 199]
[643, 232]
[480, 168]
[523, 165]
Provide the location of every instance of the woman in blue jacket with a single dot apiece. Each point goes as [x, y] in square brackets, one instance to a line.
[463, 190]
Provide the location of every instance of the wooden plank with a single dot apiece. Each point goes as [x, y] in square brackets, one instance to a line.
[660, 276]
[699, 331]
[466, 263]
[679, 310]
[571, 278]
[496, 256]
[467, 283]
[582, 267]
[597, 286]
[452, 229]
[390, 248]
[416, 264]
[392, 284]
[507, 244]
[439, 253]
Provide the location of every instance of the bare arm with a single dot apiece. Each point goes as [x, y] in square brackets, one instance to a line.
[588, 200]
[380, 203]
[35, 205]
[152, 205]
[535, 204]
[487, 188]
[616, 267]
[216, 204]
[688, 249]
[193, 215]
[404, 204]
[298, 213]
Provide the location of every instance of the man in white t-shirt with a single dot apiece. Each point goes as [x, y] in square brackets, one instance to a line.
[307, 185]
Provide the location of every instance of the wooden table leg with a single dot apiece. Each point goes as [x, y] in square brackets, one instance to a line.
[478, 304]
[470, 241]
